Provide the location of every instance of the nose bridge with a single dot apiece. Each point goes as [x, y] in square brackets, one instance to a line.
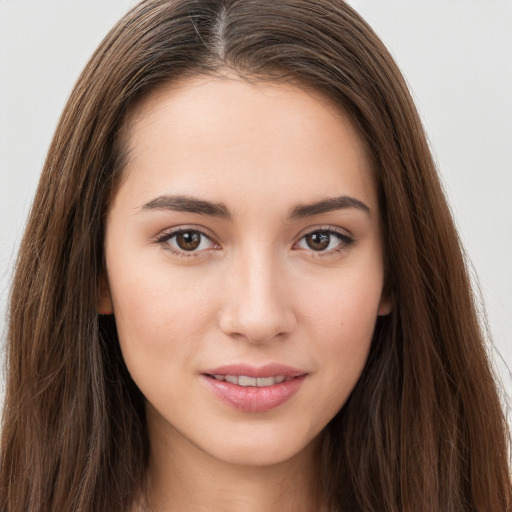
[257, 307]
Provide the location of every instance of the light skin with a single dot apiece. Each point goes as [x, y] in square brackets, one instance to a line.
[278, 259]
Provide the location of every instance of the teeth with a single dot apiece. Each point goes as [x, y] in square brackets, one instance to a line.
[265, 381]
[247, 381]
[243, 380]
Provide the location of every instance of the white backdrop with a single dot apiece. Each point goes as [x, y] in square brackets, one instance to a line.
[455, 54]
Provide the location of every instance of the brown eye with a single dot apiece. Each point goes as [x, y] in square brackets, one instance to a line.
[318, 240]
[188, 240]
[325, 241]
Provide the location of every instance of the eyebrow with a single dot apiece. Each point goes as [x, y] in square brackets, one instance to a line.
[328, 205]
[188, 204]
[183, 203]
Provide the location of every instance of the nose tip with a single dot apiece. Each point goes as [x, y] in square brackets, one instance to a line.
[256, 325]
[258, 308]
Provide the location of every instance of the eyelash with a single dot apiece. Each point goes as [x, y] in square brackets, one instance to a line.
[345, 241]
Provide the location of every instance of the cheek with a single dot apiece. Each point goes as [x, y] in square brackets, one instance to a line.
[346, 304]
[156, 311]
[341, 320]
[343, 343]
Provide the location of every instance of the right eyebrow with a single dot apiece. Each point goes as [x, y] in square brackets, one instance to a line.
[183, 203]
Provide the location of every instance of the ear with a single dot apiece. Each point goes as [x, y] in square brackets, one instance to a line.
[105, 305]
[385, 305]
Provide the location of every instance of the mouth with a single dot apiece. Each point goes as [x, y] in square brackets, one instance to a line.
[254, 390]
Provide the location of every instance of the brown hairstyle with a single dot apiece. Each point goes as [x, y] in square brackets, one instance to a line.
[423, 430]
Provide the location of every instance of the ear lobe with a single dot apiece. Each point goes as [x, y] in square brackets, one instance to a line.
[385, 305]
[105, 305]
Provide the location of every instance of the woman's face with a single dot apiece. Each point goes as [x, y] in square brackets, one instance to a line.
[244, 263]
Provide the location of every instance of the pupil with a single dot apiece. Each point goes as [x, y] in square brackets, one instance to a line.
[318, 241]
[188, 240]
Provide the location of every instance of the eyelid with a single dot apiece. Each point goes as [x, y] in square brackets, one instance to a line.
[325, 227]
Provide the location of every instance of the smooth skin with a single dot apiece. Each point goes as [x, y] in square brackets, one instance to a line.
[252, 276]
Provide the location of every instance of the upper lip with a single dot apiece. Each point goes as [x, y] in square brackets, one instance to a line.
[268, 370]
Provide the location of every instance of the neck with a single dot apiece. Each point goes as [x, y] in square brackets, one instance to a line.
[183, 477]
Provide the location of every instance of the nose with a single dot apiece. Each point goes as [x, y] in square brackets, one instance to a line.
[258, 304]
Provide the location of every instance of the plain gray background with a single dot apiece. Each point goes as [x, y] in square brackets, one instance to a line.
[456, 56]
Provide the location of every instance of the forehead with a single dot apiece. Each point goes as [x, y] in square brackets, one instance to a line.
[219, 136]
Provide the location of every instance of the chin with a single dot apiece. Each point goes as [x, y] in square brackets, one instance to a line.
[264, 450]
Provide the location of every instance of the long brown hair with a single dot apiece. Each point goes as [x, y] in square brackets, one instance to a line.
[423, 430]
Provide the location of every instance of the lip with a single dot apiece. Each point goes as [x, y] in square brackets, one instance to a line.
[268, 370]
[254, 399]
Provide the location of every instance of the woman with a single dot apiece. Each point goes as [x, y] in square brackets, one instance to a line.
[240, 284]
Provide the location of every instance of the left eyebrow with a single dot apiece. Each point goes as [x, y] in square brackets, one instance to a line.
[328, 205]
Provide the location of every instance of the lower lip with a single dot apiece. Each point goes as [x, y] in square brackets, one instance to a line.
[252, 398]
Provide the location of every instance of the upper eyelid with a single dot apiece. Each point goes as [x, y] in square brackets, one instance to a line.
[169, 232]
[333, 229]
